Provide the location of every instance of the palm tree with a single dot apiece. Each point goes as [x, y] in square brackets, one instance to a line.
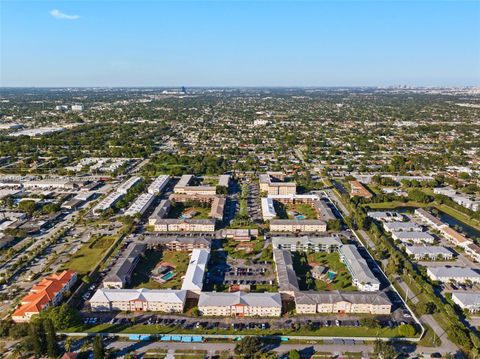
[68, 344]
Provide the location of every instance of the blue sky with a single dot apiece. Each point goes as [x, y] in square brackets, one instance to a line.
[239, 43]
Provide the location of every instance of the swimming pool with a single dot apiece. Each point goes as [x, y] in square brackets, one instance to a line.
[167, 276]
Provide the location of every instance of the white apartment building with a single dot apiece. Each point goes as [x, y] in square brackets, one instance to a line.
[455, 274]
[158, 185]
[429, 252]
[141, 204]
[362, 276]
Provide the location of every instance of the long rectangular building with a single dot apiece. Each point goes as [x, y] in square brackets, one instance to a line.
[141, 204]
[298, 225]
[195, 274]
[268, 209]
[158, 185]
[240, 304]
[121, 272]
[402, 227]
[304, 244]
[413, 237]
[178, 243]
[429, 218]
[272, 183]
[457, 274]
[286, 276]
[429, 252]
[467, 300]
[376, 303]
[138, 300]
[362, 276]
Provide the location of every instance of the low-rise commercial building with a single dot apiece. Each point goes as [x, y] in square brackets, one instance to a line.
[453, 274]
[240, 304]
[134, 300]
[304, 244]
[362, 276]
[429, 252]
[107, 202]
[376, 303]
[125, 186]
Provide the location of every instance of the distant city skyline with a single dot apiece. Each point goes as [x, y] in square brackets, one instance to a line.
[239, 44]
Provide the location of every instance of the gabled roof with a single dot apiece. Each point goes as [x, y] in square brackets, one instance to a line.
[208, 299]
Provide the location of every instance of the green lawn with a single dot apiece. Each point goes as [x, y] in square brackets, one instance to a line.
[85, 259]
[302, 208]
[342, 281]
[141, 279]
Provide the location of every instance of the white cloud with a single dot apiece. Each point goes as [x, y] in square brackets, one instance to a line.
[60, 15]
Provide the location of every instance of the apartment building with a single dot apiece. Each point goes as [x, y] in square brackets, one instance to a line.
[135, 300]
[121, 272]
[294, 225]
[401, 227]
[385, 216]
[272, 183]
[240, 304]
[362, 276]
[141, 204]
[456, 238]
[158, 185]
[453, 274]
[193, 280]
[429, 218]
[467, 300]
[218, 207]
[432, 253]
[184, 225]
[107, 202]
[161, 211]
[48, 292]
[183, 187]
[304, 244]
[413, 237]
[268, 209]
[358, 189]
[473, 250]
[286, 276]
[376, 303]
[178, 243]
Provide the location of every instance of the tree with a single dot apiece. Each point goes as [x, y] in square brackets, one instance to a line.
[98, 348]
[248, 346]
[195, 312]
[37, 337]
[426, 307]
[63, 316]
[293, 354]
[384, 350]
[27, 206]
[68, 344]
[51, 336]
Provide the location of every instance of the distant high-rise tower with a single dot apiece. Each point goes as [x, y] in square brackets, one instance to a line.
[184, 90]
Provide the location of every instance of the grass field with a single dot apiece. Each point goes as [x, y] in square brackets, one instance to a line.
[141, 275]
[85, 259]
[342, 281]
[302, 208]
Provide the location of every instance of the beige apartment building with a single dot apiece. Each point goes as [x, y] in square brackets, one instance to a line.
[184, 225]
[272, 183]
[240, 304]
[342, 302]
[135, 300]
[293, 225]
